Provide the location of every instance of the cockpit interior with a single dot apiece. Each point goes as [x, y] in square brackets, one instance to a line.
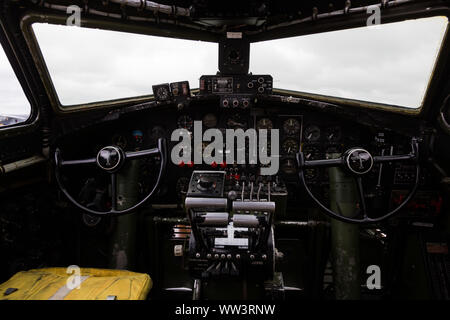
[290, 151]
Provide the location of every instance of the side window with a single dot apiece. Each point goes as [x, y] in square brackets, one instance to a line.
[14, 105]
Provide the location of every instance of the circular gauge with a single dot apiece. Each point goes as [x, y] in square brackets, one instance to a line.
[182, 186]
[290, 147]
[312, 133]
[236, 122]
[291, 126]
[185, 122]
[162, 93]
[119, 141]
[311, 153]
[210, 120]
[288, 166]
[264, 123]
[333, 133]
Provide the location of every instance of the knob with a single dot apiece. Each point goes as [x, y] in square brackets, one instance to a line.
[232, 195]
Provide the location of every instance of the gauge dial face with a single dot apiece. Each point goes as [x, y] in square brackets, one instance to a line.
[162, 93]
[312, 133]
[264, 123]
[333, 134]
[185, 122]
[291, 126]
[236, 122]
[290, 147]
[210, 120]
[120, 141]
[288, 166]
[311, 153]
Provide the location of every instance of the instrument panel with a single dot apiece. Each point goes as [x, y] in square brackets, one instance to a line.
[317, 134]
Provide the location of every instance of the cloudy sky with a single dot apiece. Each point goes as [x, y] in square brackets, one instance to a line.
[389, 63]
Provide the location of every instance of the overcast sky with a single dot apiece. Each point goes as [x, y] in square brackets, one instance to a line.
[388, 64]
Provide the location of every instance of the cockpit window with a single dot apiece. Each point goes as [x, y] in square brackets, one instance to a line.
[14, 105]
[91, 65]
[388, 64]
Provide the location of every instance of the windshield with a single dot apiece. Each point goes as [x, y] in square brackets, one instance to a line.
[389, 64]
[91, 65]
[14, 105]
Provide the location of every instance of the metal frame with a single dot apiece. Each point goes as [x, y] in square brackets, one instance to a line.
[408, 10]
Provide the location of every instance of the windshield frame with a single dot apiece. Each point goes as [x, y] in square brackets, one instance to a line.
[52, 18]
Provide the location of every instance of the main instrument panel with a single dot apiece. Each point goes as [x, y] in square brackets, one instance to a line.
[317, 134]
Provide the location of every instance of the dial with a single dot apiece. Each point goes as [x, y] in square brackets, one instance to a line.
[291, 126]
[264, 123]
[333, 133]
[288, 166]
[311, 153]
[162, 93]
[185, 122]
[236, 122]
[290, 147]
[312, 133]
[210, 120]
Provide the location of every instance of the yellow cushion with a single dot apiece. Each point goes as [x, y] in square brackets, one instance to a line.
[97, 284]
